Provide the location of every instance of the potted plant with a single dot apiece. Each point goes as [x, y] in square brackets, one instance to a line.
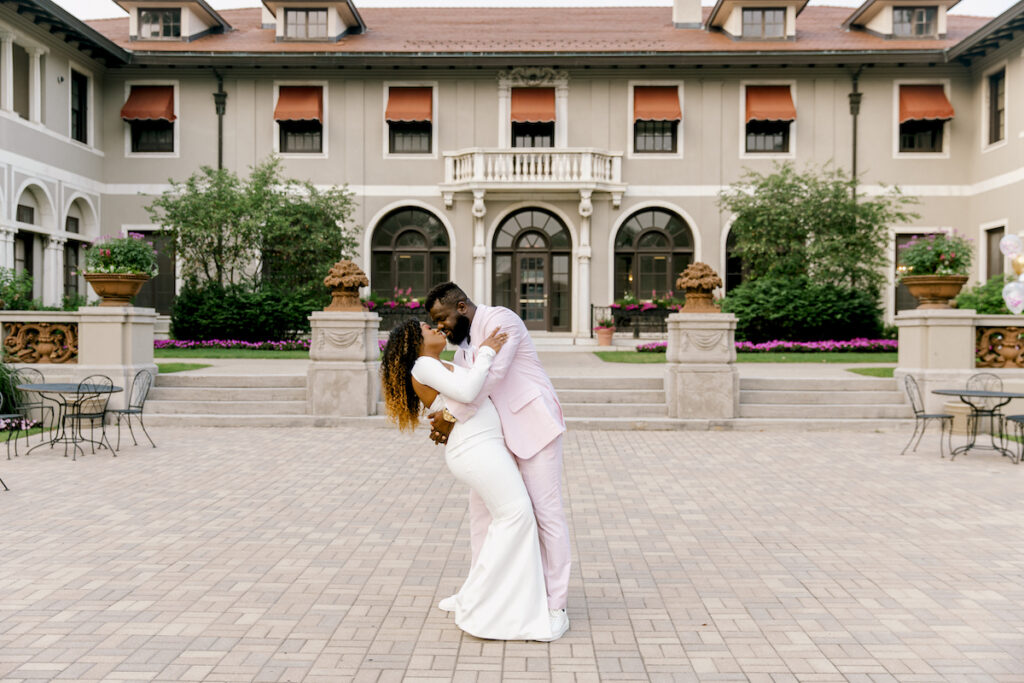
[934, 267]
[117, 267]
[344, 280]
[605, 328]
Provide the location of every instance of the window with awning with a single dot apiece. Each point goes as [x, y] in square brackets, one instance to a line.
[533, 117]
[149, 112]
[924, 110]
[656, 117]
[409, 115]
[770, 113]
[299, 114]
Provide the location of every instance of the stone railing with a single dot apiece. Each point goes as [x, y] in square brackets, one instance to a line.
[497, 168]
[39, 336]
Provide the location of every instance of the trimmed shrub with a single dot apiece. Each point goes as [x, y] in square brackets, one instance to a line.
[986, 299]
[211, 311]
[796, 309]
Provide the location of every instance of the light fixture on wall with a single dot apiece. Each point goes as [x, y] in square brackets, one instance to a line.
[60, 79]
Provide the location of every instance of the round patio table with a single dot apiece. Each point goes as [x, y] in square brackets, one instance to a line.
[66, 395]
[978, 410]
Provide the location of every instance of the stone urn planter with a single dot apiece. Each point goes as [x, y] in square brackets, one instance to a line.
[604, 335]
[116, 289]
[699, 280]
[345, 278]
[934, 291]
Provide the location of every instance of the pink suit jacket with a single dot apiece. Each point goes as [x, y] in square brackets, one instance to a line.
[522, 393]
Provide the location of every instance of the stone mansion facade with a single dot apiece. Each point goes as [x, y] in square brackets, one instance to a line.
[549, 159]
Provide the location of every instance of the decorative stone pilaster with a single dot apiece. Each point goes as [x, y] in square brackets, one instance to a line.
[6, 70]
[479, 246]
[53, 271]
[342, 379]
[35, 88]
[583, 255]
[701, 380]
[7, 246]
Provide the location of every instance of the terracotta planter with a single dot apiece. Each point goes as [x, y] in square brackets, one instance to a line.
[116, 289]
[699, 301]
[934, 291]
[604, 336]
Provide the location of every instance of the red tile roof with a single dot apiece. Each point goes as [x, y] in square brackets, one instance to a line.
[564, 30]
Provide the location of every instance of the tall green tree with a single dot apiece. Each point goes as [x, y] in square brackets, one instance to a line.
[790, 224]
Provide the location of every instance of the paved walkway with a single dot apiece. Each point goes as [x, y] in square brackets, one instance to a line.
[318, 555]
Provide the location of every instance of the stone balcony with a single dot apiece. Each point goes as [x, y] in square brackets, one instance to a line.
[533, 169]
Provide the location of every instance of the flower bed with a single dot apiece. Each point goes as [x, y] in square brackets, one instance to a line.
[299, 345]
[852, 345]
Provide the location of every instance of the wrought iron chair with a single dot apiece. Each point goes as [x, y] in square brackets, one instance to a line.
[19, 423]
[986, 407]
[90, 404]
[28, 404]
[921, 418]
[141, 385]
[1017, 423]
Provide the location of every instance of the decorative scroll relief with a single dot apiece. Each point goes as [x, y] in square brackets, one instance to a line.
[337, 340]
[701, 341]
[532, 77]
[999, 347]
[41, 342]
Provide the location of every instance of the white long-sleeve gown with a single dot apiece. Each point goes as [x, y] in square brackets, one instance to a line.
[504, 597]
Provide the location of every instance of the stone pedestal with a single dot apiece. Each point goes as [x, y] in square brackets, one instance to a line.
[936, 346]
[114, 341]
[342, 380]
[701, 380]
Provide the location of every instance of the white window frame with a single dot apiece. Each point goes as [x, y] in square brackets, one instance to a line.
[128, 153]
[433, 119]
[890, 272]
[982, 242]
[946, 130]
[182, 20]
[276, 127]
[742, 119]
[631, 152]
[90, 106]
[986, 146]
[559, 80]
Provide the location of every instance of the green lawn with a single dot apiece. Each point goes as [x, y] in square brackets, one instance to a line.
[872, 372]
[167, 368]
[6, 436]
[771, 357]
[227, 353]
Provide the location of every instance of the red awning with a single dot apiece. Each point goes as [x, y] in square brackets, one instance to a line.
[924, 103]
[656, 103]
[409, 104]
[533, 105]
[770, 103]
[149, 103]
[300, 103]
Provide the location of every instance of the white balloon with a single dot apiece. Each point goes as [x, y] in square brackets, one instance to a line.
[1011, 245]
[1013, 295]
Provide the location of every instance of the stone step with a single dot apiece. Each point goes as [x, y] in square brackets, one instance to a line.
[824, 397]
[806, 411]
[621, 383]
[822, 425]
[184, 379]
[625, 410]
[611, 396]
[217, 420]
[227, 394]
[226, 407]
[852, 383]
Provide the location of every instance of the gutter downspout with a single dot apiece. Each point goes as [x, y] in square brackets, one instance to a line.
[220, 99]
[855, 98]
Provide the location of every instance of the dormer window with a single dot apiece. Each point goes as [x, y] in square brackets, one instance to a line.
[305, 24]
[768, 23]
[160, 23]
[915, 22]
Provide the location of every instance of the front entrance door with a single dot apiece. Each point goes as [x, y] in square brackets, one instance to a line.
[532, 288]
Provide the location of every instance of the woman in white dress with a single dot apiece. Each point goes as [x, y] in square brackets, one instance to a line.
[504, 597]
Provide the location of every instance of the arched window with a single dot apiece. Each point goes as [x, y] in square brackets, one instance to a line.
[409, 250]
[532, 250]
[651, 248]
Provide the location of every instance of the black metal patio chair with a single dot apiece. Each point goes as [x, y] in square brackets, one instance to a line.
[141, 385]
[986, 407]
[1016, 422]
[921, 418]
[29, 403]
[12, 422]
[90, 403]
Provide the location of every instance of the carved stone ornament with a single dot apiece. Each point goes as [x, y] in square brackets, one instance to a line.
[700, 340]
[699, 280]
[532, 77]
[41, 342]
[337, 340]
[999, 347]
[345, 278]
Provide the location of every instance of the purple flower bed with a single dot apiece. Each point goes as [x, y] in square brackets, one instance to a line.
[852, 345]
[300, 345]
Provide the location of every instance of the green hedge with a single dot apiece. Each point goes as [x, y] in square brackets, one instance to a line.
[210, 311]
[986, 299]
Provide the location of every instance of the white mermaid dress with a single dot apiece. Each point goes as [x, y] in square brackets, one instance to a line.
[504, 597]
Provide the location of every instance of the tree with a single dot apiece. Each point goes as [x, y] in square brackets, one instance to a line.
[790, 224]
[229, 230]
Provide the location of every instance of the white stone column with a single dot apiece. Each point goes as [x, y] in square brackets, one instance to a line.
[562, 115]
[6, 70]
[583, 255]
[504, 114]
[35, 83]
[53, 271]
[342, 379]
[701, 380]
[479, 248]
[7, 246]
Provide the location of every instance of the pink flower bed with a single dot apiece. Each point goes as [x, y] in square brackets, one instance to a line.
[850, 345]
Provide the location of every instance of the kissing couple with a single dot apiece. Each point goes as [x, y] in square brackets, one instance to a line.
[497, 411]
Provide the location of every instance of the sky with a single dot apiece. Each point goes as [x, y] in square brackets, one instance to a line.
[102, 9]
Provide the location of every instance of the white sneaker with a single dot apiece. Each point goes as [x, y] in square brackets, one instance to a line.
[447, 604]
[559, 625]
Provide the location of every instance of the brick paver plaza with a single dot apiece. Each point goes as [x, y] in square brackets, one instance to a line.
[318, 555]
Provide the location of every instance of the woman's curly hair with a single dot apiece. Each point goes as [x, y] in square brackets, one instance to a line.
[400, 353]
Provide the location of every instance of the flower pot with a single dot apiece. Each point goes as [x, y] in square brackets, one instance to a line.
[116, 289]
[934, 291]
[345, 299]
[604, 336]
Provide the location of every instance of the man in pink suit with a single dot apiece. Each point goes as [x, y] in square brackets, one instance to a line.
[531, 418]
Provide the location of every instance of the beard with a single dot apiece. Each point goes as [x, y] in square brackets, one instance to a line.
[460, 332]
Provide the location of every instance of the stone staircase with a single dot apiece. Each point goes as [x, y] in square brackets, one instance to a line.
[596, 403]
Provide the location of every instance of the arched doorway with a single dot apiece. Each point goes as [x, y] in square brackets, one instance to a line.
[651, 248]
[532, 274]
[409, 249]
